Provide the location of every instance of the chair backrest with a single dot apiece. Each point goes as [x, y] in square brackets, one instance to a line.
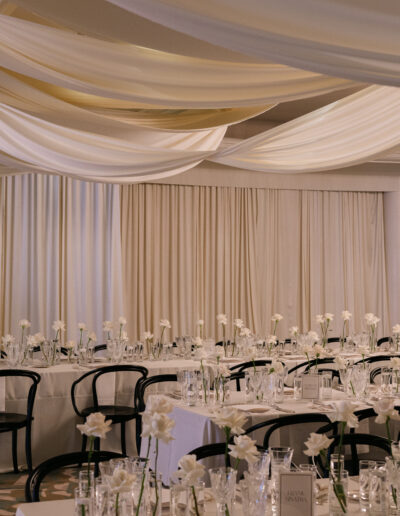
[32, 486]
[34, 377]
[247, 365]
[210, 450]
[98, 373]
[377, 358]
[353, 440]
[99, 347]
[274, 424]
[382, 340]
[317, 363]
[236, 377]
[144, 383]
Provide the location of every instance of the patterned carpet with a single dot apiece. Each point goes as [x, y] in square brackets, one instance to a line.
[12, 488]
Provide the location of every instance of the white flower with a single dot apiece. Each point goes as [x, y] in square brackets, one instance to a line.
[222, 370]
[271, 339]
[345, 413]
[238, 323]
[346, 315]
[58, 326]
[31, 341]
[307, 349]
[340, 362]
[159, 404]
[312, 337]
[244, 448]
[396, 329]
[198, 342]
[200, 322]
[24, 323]
[216, 354]
[316, 443]
[121, 481]
[222, 319]
[385, 409]
[158, 426]
[252, 353]
[276, 318]
[121, 320]
[190, 470]
[82, 326]
[319, 351]
[245, 332]
[92, 337]
[147, 335]
[276, 367]
[39, 338]
[320, 319]
[230, 417]
[107, 326]
[164, 323]
[395, 363]
[8, 339]
[293, 331]
[95, 425]
[328, 316]
[371, 319]
[70, 344]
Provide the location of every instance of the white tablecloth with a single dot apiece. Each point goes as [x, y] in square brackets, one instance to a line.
[54, 427]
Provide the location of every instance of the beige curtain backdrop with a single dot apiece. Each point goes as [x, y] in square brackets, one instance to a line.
[192, 252]
[60, 253]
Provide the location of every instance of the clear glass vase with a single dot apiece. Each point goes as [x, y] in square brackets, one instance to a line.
[223, 483]
[338, 492]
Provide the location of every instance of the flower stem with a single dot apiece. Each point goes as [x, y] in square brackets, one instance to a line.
[196, 507]
[156, 480]
[227, 436]
[143, 478]
[117, 505]
[91, 441]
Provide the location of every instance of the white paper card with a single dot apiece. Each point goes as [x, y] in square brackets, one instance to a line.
[296, 493]
[310, 386]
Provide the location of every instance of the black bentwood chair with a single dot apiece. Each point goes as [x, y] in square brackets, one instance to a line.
[35, 479]
[119, 414]
[12, 421]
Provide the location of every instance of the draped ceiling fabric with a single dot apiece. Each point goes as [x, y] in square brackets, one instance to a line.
[359, 40]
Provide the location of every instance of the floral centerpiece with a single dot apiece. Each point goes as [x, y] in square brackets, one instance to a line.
[200, 324]
[275, 320]
[371, 321]
[108, 327]
[346, 316]
[148, 342]
[238, 324]
[82, 327]
[324, 321]
[120, 482]
[223, 321]
[190, 472]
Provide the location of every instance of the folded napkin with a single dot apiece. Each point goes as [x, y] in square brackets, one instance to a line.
[252, 409]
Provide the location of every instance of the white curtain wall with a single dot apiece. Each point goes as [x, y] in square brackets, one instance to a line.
[87, 252]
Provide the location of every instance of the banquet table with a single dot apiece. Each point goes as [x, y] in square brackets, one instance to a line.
[194, 428]
[54, 418]
[66, 507]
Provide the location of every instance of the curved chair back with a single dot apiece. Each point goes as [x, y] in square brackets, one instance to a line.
[382, 340]
[34, 377]
[210, 450]
[247, 365]
[377, 358]
[151, 380]
[32, 486]
[98, 373]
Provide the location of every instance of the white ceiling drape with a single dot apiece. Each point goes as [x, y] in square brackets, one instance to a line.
[359, 40]
[138, 74]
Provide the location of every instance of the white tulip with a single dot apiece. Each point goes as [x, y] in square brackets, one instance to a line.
[276, 317]
[346, 315]
[345, 413]
[190, 470]
[238, 323]
[222, 319]
[396, 329]
[95, 425]
[107, 326]
[244, 448]
[121, 481]
[82, 326]
[245, 332]
[158, 426]
[316, 443]
[164, 323]
[385, 409]
[58, 326]
[230, 417]
[159, 404]
[147, 335]
[328, 316]
[121, 321]
[24, 323]
[293, 331]
[276, 367]
[320, 319]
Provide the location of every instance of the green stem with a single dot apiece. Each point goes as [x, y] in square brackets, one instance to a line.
[352, 388]
[143, 478]
[156, 480]
[91, 441]
[388, 431]
[196, 507]
[237, 463]
[204, 381]
[227, 437]
[117, 505]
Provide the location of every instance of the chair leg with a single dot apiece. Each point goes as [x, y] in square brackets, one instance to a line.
[28, 448]
[84, 442]
[15, 450]
[123, 439]
[138, 434]
[96, 444]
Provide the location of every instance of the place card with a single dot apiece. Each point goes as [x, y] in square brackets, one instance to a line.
[310, 386]
[296, 493]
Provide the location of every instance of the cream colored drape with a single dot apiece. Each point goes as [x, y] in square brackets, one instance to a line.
[193, 252]
[60, 253]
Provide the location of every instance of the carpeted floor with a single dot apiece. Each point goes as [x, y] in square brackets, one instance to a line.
[12, 488]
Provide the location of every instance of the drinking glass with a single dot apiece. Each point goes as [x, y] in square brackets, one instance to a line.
[254, 493]
[334, 461]
[261, 466]
[83, 503]
[223, 483]
[155, 493]
[386, 378]
[196, 503]
[377, 491]
[326, 386]
[13, 354]
[279, 388]
[178, 499]
[190, 388]
[281, 458]
[297, 387]
[338, 485]
[364, 467]
[313, 469]
[101, 498]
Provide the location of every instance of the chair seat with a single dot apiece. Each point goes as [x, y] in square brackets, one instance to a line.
[10, 420]
[117, 413]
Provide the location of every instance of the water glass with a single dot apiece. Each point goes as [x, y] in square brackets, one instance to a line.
[101, 500]
[297, 387]
[223, 483]
[155, 494]
[13, 354]
[365, 466]
[254, 493]
[325, 390]
[83, 503]
[178, 499]
[86, 484]
[310, 468]
[334, 461]
[338, 485]
[386, 380]
[377, 491]
[197, 501]
[261, 466]
[281, 459]
[279, 388]
[393, 485]
[190, 388]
